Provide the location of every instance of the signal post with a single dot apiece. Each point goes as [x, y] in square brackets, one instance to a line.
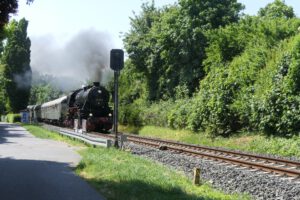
[116, 64]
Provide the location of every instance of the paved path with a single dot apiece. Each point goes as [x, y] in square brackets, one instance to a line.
[38, 169]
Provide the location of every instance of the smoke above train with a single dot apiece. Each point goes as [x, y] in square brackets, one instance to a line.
[85, 56]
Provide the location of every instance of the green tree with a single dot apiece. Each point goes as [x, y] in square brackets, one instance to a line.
[251, 78]
[277, 9]
[2, 90]
[167, 45]
[7, 7]
[178, 54]
[236, 56]
[139, 44]
[211, 14]
[43, 93]
[16, 60]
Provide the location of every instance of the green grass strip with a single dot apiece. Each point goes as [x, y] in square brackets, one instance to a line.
[120, 175]
[43, 133]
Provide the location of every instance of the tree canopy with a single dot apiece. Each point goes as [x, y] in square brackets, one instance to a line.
[16, 61]
[277, 9]
[168, 45]
[8, 7]
[201, 65]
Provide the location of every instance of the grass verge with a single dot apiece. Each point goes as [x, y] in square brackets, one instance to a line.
[43, 133]
[120, 175]
[255, 143]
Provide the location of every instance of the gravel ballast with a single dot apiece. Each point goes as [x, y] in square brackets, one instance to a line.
[229, 178]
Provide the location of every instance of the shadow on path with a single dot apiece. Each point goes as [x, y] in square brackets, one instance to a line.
[10, 130]
[42, 180]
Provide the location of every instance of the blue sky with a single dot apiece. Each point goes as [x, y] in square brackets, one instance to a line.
[63, 19]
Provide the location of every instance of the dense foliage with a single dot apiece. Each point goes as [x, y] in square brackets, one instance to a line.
[43, 89]
[16, 62]
[167, 46]
[7, 7]
[200, 65]
[13, 118]
[15, 73]
[277, 9]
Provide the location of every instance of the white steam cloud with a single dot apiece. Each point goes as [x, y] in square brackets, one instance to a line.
[23, 80]
[85, 57]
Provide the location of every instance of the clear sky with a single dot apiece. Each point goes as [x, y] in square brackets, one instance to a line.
[62, 19]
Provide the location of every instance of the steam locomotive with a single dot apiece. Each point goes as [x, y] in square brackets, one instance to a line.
[86, 108]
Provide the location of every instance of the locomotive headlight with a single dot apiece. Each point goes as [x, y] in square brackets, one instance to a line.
[99, 91]
[91, 114]
[110, 114]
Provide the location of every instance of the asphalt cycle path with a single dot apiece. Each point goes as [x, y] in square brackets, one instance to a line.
[39, 169]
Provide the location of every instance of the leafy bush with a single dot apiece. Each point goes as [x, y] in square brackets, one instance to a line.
[178, 115]
[157, 113]
[130, 114]
[12, 118]
[230, 96]
[277, 102]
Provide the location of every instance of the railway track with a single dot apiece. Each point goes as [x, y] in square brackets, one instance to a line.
[275, 166]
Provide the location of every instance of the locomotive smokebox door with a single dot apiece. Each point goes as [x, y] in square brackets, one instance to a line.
[116, 59]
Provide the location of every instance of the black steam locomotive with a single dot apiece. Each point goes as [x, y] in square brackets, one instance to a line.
[86, 108]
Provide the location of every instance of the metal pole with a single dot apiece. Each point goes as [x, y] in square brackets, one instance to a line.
[116, 84]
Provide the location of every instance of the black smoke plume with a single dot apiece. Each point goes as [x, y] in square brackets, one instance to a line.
[84, 57]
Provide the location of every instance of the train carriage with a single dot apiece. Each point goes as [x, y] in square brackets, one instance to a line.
[54, 111]
[37, 113]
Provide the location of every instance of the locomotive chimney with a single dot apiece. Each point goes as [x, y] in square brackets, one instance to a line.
[96, 84]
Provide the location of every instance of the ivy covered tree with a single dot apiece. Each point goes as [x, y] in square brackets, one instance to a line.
[16, 62]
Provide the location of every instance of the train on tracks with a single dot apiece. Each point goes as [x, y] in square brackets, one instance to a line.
[86, 108]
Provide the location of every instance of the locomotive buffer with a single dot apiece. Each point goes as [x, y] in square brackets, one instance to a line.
[116, 64]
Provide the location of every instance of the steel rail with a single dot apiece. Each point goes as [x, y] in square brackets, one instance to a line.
[251, 165]
[196, 150]
[250, 156]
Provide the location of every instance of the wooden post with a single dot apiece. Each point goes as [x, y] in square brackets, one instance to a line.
[196, 176]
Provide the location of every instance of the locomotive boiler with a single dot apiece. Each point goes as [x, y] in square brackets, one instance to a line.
[89, 105]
